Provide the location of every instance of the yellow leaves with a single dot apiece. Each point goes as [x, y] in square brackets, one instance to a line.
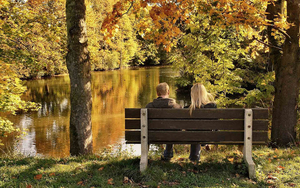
[237, 13]
[230, 159]
[4, 3]
[168, 48]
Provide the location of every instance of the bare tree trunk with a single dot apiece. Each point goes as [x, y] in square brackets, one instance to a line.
[79, 68]
[287, 82]
[273, 10]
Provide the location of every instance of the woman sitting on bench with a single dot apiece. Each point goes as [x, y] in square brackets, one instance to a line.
[200, 98]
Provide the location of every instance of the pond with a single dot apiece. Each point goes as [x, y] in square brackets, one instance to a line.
[112, 92]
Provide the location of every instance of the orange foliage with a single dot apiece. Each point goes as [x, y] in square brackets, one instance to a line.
[166, 16]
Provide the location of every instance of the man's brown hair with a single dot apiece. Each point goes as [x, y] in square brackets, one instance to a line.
[162, 89]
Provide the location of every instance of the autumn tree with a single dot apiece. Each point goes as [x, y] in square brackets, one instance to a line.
[79, 68]
[12, 50]
[249, 16]
[33, 38]
[284, 117]
[224, 60]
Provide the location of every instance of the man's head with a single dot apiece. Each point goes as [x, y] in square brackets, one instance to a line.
[162, 90]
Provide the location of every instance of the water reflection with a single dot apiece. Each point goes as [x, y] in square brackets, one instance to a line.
[112, 91]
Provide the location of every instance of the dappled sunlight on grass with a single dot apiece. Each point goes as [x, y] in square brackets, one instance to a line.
[222, 167]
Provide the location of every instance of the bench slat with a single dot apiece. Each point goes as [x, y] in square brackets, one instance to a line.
[194, 136]
[209, 142]
[157, 124]
[232, 113]
[132, 112]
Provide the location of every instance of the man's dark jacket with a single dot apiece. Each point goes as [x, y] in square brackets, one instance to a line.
[163, 103]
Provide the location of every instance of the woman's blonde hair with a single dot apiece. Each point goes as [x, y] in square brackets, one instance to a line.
[199, 96]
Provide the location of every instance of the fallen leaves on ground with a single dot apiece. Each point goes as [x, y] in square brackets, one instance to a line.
[271, 177]
[80, 183]
[270, 181]
[292, 184]
[180, 159]
[110, 181]
[280, 167]
[101, 168]
[38, 177]
[193, 170]
[171, 183]
[52, 174]
[29, 186]
[127, 180]
[205, 170]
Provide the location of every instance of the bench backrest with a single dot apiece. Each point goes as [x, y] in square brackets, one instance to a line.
[215, 126]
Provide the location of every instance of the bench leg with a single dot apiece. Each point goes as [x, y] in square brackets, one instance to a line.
[247, 151]
[144, 140]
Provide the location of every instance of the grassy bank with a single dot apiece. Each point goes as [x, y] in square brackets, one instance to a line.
[220, 168]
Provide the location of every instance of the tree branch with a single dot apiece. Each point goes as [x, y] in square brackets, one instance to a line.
[269, 45]
[280, 30]
[131, 5]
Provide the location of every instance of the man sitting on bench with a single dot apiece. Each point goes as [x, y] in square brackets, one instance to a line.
[163, 101]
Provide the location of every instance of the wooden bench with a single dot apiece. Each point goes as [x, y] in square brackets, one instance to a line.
[235, 126]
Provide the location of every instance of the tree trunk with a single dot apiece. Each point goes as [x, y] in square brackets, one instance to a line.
[273, 10]
[80, 77]
[287, 83]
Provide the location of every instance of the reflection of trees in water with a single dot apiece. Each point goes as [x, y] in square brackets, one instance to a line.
[51, 122]
[112, 91]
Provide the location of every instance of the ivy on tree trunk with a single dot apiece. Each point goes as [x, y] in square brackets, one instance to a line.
[79, 68]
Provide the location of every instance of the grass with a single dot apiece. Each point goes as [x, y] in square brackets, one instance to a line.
[221, 168]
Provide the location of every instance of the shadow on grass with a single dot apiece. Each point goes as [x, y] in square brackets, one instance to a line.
[93, 172]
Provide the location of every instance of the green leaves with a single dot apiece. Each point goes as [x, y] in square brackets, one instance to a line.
[222, 58]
